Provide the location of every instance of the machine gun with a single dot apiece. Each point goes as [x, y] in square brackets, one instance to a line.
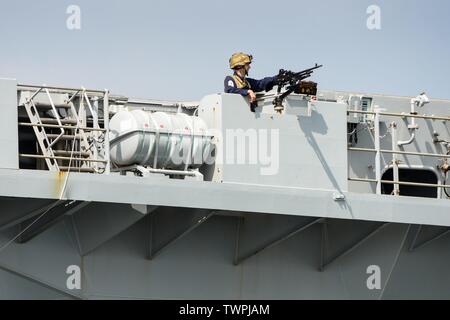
[294, 83]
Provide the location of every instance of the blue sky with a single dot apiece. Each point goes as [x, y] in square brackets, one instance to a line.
[175, 49]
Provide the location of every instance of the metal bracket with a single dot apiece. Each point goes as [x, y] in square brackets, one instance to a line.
[35, 226]
[238, 260]
[170, 239]
[413, 245]
[352, 247]
[338, 197]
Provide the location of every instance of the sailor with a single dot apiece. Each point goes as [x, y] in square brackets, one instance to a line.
[239, 83]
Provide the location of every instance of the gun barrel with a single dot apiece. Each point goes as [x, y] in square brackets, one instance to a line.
[310, 70]
[288, 77]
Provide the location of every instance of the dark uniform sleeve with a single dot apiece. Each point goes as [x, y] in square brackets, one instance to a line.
[231, 87]
[265, 84]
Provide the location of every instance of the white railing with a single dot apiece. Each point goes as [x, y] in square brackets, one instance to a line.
[89, 138]
[378, 151]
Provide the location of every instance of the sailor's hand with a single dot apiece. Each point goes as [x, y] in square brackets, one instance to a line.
[251, 96]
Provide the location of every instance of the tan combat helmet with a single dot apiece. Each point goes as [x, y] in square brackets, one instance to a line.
[240, 59]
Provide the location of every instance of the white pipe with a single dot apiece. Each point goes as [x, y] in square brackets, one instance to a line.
[394, 159]
[413, 111]
[412, 126]
[161, 171]
[401, 115]
[404, 183]
[378, 151]
[106, 128]
[413, 137]
[55, 126]
[424, 154]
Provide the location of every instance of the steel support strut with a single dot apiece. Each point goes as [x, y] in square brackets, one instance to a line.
[153, 252]
[273, 243]
[353, 247]
[34, 227]
[426, 242]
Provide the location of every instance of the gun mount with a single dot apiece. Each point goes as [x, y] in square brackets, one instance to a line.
[294, 83]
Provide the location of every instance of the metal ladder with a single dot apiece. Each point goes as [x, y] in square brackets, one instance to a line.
[39, 130]
[87, 157]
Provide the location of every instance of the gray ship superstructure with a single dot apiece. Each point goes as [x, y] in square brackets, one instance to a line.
[207, 200]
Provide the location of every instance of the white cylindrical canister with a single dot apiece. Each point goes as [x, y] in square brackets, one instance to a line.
[159, 140]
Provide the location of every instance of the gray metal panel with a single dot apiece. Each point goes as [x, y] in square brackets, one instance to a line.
[381, 250]
[15, 210]
[251, 241]
[310, 151]
[225, 196]
[169, 225]
[16, 287]
[99, 222]
[421, 274]
[44, 259]
[9, 136]
[200, 266]
[197, 267]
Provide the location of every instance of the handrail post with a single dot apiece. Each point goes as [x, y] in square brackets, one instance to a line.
[378, 150]
[106, 127]
[395, 174]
